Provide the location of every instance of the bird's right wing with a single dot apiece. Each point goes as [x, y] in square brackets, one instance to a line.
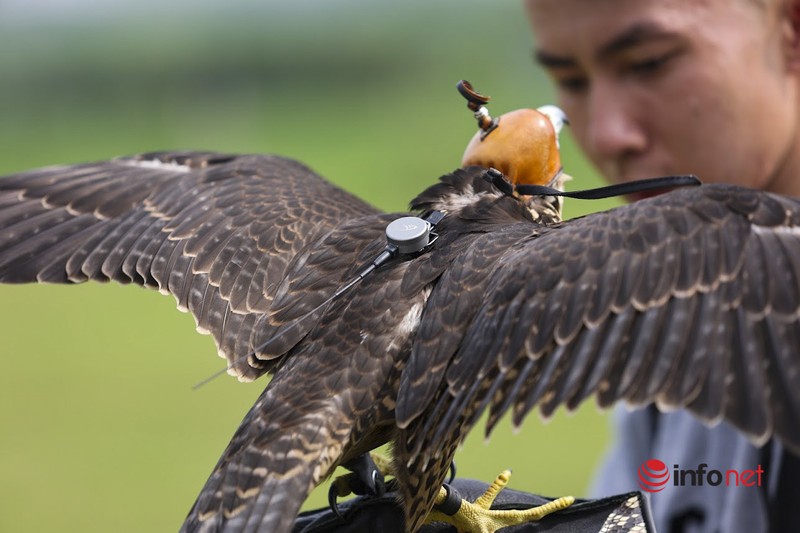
[691, 299]
[218, 232]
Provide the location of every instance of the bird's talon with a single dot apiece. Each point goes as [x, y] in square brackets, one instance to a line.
[382, 463]
[339, 489]
[366, 478]
[478, 517]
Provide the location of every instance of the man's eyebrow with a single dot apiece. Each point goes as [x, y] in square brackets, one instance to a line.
[632, 36]
[549, 60]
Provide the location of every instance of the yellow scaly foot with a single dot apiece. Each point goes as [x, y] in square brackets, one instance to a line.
[477, 517]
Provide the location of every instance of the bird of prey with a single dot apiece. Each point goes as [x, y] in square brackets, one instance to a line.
[690, 300]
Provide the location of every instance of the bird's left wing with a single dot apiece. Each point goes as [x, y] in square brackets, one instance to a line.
[691, 299]
[217, 231]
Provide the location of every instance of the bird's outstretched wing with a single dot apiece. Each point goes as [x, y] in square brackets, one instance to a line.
[216, 231]
[691, 299]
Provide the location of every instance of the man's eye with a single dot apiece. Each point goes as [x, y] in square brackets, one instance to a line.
[651, 65]
[572, 84]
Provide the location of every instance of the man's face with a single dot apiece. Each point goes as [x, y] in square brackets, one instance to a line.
[660, 87]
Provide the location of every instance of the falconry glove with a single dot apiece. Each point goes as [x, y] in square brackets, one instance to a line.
[618, 514]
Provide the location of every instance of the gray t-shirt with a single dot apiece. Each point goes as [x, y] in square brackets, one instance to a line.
[679, 439]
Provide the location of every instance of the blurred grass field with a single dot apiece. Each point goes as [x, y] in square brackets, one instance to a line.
[99, 427]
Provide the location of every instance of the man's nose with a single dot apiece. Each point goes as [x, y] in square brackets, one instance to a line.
[613, 128]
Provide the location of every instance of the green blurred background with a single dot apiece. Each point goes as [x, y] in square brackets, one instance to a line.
[99, 427]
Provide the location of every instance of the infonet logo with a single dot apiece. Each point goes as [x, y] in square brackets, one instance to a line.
[654, 476]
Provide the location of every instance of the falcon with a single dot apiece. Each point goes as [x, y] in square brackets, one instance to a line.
[690, 299]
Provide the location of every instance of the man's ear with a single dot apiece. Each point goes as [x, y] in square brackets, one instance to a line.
[790, 28]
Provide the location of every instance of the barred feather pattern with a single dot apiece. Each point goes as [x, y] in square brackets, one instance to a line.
[687, 300]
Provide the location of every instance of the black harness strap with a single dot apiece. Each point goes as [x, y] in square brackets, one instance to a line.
[496, 178]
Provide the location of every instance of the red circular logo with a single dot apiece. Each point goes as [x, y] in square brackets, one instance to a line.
[653, 475]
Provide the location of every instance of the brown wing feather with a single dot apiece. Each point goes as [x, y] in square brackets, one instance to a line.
[216, 231]
[441, 329]
[690, 300]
